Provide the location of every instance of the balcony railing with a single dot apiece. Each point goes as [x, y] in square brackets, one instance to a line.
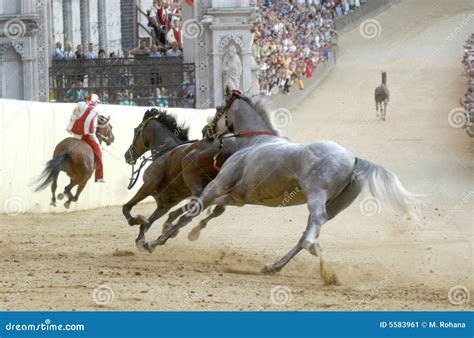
[142, 81]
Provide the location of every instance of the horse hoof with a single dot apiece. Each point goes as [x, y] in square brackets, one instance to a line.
[149, 246]
[67, 204]
[53, 204]
[268, 269]
[194, 234]
[161, 240]
[60, 196]
[141, 220]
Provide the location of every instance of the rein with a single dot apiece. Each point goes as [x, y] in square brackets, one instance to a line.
[154, 155]
[213, 126]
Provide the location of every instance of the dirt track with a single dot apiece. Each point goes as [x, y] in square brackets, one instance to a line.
[55, 261]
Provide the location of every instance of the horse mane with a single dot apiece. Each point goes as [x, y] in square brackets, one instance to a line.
[259, 104]
[169, 121]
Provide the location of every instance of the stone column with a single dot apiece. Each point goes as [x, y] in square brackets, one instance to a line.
[102, 24]
[188, 43]
[67, 20]
[85, 23]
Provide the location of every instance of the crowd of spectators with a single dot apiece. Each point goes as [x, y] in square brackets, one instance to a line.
[292, 37]
[468, 100]
[164, 20]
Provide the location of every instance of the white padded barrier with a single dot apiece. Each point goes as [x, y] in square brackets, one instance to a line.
[31, 130]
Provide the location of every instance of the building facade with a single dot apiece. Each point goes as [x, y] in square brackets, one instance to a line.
[29, 30]
[24, 49]
[216, 38]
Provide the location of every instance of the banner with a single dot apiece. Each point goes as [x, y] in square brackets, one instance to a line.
[236, 324]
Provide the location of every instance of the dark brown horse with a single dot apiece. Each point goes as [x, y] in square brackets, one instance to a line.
[382, 97]
[180, 169]
[76, 158]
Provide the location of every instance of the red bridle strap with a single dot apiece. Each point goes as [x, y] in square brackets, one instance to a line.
[252, 133]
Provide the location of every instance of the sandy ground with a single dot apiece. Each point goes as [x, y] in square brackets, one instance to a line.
[88, 260]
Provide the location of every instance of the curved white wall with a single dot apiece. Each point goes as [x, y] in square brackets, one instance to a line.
[31, 130]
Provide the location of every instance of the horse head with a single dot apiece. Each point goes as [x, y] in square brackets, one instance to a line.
[104, 130]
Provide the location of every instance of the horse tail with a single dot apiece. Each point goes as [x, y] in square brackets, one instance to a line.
[385, 185]
[53, 167]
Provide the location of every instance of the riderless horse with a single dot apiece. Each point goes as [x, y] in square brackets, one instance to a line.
[266, 167]
[382, 96]
[180, 168]
[76, 158]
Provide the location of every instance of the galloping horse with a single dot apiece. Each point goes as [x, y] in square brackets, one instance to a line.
[382, 96]
[267, 169]
[180, 168]
[76, 158]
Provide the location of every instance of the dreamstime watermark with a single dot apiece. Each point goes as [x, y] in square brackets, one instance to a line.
[372, 293]
[14, 206]
[281, 118]
[458, 207]
[103, 295]
[370, 29]
[194, 206]
[46, 326]
[286, 201]
[194, 295]
[457, 118]
[465, 22]
[192, 28]
[459, 295]
[14, 296]
[281, 295]
[14, 29]
[288, 197]
[369, 206]
[205, 105]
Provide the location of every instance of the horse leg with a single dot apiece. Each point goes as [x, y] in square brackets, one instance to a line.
[384, 110]
[144, 191]
[317, 217]
[312, 232]
[80, 187]
[140, 240]
[54, 186]
[67, 192]
[212, 191]
[172, 216]
[195, 232]
[333, 207]
[279, 265]
[376, 109]
[344, 199]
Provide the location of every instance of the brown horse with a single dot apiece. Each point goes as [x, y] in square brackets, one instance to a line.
[180, 168]
[76, 158]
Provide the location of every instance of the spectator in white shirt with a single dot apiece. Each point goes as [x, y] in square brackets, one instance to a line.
[90, 54]
[174, 51]
[58, 52]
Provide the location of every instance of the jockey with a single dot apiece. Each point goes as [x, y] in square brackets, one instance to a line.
[83, 125]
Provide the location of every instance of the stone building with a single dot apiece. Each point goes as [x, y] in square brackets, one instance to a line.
[30, 28]
[24, 49]
[211, 30]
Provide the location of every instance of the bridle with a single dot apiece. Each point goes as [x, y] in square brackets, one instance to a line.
[212, 128]
[155, 153]
[139, 131]
[103, 125]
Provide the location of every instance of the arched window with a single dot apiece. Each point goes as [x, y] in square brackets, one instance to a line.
[13, 79]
